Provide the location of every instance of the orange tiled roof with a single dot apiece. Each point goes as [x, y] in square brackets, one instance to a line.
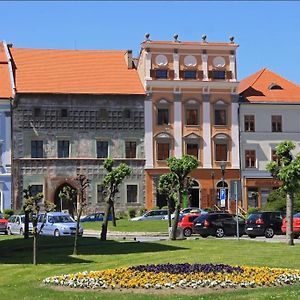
[256, 88]
[5, 85]
[74, 72]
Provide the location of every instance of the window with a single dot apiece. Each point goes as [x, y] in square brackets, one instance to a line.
[250, 158]
[220, 116]
[36, 112]
[161, 73]
[102, 149]
[218, 74]
[192, 116]
[132, 193]
[127, 113]
[163, 151]
[64, 113]
[35, 189]
[100, 194]
[275, 86]
[249, 123]
[221, 152]
[103, 114]
[274, 156]
[276, 123]
[63, 149]
[192, 149]
[37, 149]
[190, 74]
[130, 149]
[162, 116]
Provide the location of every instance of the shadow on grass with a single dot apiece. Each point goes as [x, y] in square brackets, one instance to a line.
[16, 250]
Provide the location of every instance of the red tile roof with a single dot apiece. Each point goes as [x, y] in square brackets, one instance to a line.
[74, 72]
[5, 85]
[256, 88]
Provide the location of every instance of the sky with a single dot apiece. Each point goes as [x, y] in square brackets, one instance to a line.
[267, 31]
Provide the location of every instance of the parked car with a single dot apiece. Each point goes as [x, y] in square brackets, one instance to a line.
[3, 224]
[99, 216]
[158, 214]
[188, 210]
[296, 225]
[16, 224]
[218, 224]
[186, 223]
[57, 224]
[264, 223]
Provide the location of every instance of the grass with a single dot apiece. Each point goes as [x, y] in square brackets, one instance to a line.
[124, 225]
[21, 280]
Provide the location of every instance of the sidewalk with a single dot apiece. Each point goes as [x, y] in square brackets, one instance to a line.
[122, 234]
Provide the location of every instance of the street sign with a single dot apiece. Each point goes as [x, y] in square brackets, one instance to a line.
[223, 197]
[235, 189]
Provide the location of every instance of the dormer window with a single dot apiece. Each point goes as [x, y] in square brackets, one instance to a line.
[275, 86]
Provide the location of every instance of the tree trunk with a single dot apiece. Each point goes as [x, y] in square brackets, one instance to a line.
[26, 225]
[169, 212]
[176, 218]
[34, 249]
[114, 223]
[289, 219]
[105, 221]
[77, 229]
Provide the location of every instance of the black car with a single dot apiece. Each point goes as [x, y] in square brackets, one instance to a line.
[218, 224]
[264, 223]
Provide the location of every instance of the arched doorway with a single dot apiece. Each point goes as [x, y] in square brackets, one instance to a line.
[222, 185]
[65, 198]
[194, 192]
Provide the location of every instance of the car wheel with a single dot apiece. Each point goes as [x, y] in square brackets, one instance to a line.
[251, 236]
[204, 235]
[269, 233]
[21, 231]
[220, 232]
[187, 232]
[56, 233]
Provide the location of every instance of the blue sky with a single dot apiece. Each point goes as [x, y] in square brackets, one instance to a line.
[267, 31]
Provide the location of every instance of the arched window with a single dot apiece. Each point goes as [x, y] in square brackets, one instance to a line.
[163, 146]
[275, 86]
[220, 113]
[221, 143]
[163, 112]
[192, 145]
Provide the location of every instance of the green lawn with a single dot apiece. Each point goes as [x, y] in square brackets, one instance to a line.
[125, 225]
[20, 280]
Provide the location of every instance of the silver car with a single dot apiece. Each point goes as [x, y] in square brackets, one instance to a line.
[159, 214]
[16, 225]
[57, 224]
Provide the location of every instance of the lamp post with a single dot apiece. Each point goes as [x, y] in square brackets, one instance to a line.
[213, 186]
[223, 167]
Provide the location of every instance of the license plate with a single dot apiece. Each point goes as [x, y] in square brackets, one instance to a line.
[250, 228]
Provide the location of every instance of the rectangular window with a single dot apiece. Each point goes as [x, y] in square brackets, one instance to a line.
[218, 74]
[130, 149]
[100, 194]
[192, 149]
[249, 123]
[250, 158]
[163, 151]
[276, 124]
[37, 149]
[161, 73]
[220, 117]
[221, 152]
[102, 149]
[36, 112]
[132, 193]
[63, 148]
[35, 189]
[190, 74]
[64, 113]
[192, 117]
[162, 116]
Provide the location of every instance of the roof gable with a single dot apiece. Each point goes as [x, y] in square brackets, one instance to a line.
[5, 84]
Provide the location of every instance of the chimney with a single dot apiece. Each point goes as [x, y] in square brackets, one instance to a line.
[128, 59]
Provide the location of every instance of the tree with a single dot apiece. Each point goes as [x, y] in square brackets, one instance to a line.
[167, 185]
[110, 185]
[181, 167]
[82, 185]
[287, 170]
[32, 208]
[68, 195]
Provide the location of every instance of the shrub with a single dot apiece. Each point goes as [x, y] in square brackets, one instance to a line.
[142, 210]
[131, 212]
[252, 210]
[122, 214]
[7, 213]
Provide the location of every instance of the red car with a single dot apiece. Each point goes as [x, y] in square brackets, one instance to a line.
[296, 225]
[186, 223]
[3, 224]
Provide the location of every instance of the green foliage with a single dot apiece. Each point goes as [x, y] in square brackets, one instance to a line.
[7, 213]
[142, 210]
[132, 212]
[121, 214]
[252, 210]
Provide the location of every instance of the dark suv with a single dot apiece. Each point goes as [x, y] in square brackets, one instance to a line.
[264, 223]
[218, 224]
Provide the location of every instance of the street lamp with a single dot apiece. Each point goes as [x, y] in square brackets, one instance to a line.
[212, 174]
[223, 167]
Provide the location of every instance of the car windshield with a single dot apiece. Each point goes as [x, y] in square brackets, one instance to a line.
[61, 219]
[254, 217]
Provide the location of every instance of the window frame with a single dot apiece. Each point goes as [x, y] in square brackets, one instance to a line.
[250, 158]
[194, 144]
[38, 150]
[97, 148]
[131, 150]
[160, 117]
[137, 193]
[62, 142]
[276, 123]
[163, 150]
[249, 123]
[218, 107]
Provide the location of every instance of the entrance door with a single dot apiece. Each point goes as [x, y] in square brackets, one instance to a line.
[66, 199]
[194, 195]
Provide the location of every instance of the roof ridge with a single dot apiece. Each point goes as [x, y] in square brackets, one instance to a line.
[258, 76]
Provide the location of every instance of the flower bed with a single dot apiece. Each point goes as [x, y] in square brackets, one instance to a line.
[178, 276]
